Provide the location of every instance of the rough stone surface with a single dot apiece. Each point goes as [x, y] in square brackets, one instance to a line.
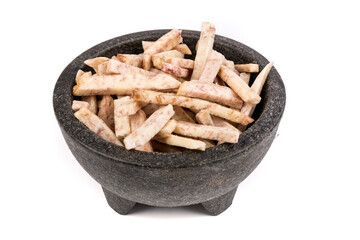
[119, 204]
[218, 205]
[170, 179]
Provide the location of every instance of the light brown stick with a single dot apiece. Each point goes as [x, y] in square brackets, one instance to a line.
[192, 103]
[175, 70]
[222, 134]
[102, 68]
[122, 122]
[131, 59]
[183, 48]
[165, 43]
[117, 67]
[181, 62]
[124, 83]
[238, 85]
[82, 76]
[77, 105]
[183, 142]
[135, 72]
[248, 108]
[231, 66]
[92, 102]
[167, 129]
[159, 58]
[245, 77]
[79, 73]
[219, 122]
[97, 125]
[212, 67]
[150, 108]
[211, 92]
[182, 115]
[94, 62]
[149, 128]
[249, 68]
[129, 107]
[157, 71]
[106, 110]
[205, 46]
[136, 121]
[204, 117]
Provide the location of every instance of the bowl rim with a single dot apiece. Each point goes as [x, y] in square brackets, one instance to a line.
[260, 129]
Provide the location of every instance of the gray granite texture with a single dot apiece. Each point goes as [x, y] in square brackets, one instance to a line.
[170, 179]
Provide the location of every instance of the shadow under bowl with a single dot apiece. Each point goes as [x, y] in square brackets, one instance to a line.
[170, 179]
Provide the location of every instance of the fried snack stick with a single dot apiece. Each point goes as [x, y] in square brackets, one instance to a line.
[205, 46]
[102, 68]
[249, 68]
[131, 59]
[158, 58]
[157, 71]
[167, 129]
[94, 62]
[248, 108]
[183, 48]
[181, 62]
[128, 107]
[97, 125]
[149, 128]
[212, 67]
[121, 84]
[204, 117]
[117, 67]
[121, 68]
[82, 76]
[245, 77]
[136, 121]
[219, 122]
[79, 73]
[106, 110]
[183, 142]
[164, 43]
[231, 65]
[238, 85]
[210, 92]
[122, 122]
[221, 134]
[192, 103]
[182, 115]
[77, 105]
[151, 108]
[175, 70]
[92, 102]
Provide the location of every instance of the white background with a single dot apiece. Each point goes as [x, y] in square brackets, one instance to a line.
[308, 185]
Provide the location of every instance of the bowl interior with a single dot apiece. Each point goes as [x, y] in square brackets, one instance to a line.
[267, 114]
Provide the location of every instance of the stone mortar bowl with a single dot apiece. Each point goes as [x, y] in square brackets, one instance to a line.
[170, 179]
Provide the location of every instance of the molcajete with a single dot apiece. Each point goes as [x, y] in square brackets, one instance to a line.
[170, 179]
